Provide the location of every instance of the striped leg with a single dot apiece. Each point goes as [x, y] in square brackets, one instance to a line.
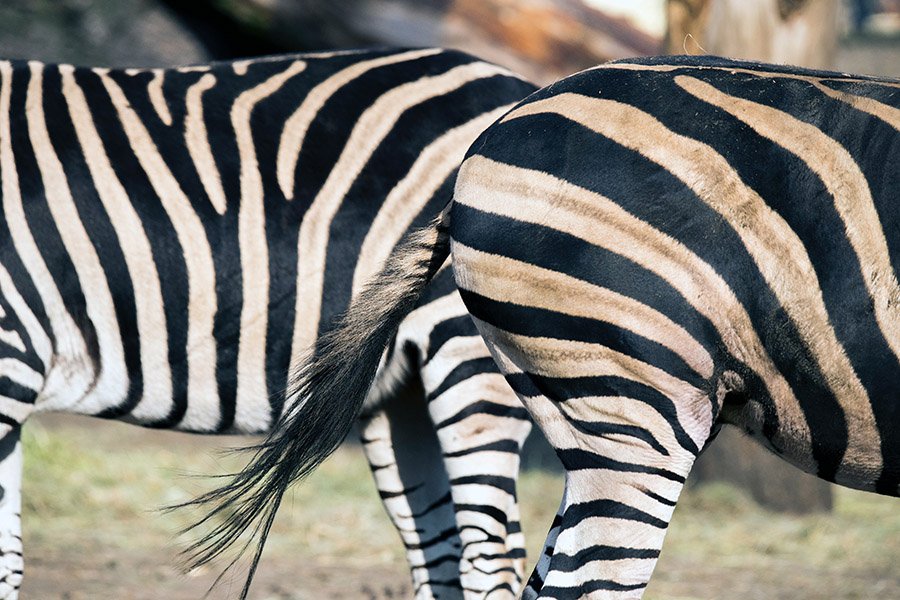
[406, 461]
[481, 426]
[627, 452]
[626, 415]
[11, 561]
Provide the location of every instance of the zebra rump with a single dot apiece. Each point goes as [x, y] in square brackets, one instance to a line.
[653, 249]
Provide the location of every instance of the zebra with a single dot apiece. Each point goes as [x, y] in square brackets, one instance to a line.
[173, 240]
[653, 249]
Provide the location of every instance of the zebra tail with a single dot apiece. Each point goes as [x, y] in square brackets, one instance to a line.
[325, 396]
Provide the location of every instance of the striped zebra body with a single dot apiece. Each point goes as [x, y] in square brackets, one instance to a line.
[174, 241]
[653, 249]
[687, 243]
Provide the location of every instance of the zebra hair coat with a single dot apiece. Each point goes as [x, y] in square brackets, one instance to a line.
[173, 240]
[653, 249]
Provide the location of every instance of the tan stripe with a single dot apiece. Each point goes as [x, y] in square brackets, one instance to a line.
[542, 199]
[295, 128]
[408, 198]
[193, 69]
[201, 345]
[252, 412]
[197, 142]
[70, 345]
[508, 280]
[879, 110]
[777, 251]
[151, 318]
[240, 66]
[111, 384]
[371, 128]
[845, 182]
[550, 357]
[157, 99]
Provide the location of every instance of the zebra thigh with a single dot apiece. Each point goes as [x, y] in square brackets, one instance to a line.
[627, 438]
[627, 413]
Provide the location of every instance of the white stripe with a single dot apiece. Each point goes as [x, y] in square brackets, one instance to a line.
[157, 99]
[17, 411]
[111, 385]
[197, 141]
[13, 339]
[22, 374]
[151, 319]
[201, 345]
[252, 412]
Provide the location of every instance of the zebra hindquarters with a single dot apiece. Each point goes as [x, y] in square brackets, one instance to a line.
[624, 392]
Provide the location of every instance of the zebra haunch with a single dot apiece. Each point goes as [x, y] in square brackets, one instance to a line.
[654, 249]
[173, 240]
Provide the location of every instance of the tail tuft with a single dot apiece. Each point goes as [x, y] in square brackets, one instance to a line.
[324, 398]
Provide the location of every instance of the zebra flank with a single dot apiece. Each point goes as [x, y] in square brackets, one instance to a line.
[171, 241]
[175, 241]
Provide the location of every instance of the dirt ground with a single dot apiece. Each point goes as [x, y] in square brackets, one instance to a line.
[125, 555]
[92, 530]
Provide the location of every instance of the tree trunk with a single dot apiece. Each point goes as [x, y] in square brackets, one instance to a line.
[797, 32]
[541, 39]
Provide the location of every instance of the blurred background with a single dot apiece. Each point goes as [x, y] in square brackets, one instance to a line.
[748, 527]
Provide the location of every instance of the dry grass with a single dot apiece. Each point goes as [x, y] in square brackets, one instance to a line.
[98, 487]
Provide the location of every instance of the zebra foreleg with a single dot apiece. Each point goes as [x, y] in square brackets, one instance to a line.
[406, 461]
[11, 559]
[481, 426]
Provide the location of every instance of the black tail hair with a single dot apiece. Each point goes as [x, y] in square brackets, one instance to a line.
[325, 396]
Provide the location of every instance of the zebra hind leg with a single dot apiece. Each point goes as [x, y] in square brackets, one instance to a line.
[624, 473]
[627, 434]
[11, 559]
[481, 425]
[406, 462]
